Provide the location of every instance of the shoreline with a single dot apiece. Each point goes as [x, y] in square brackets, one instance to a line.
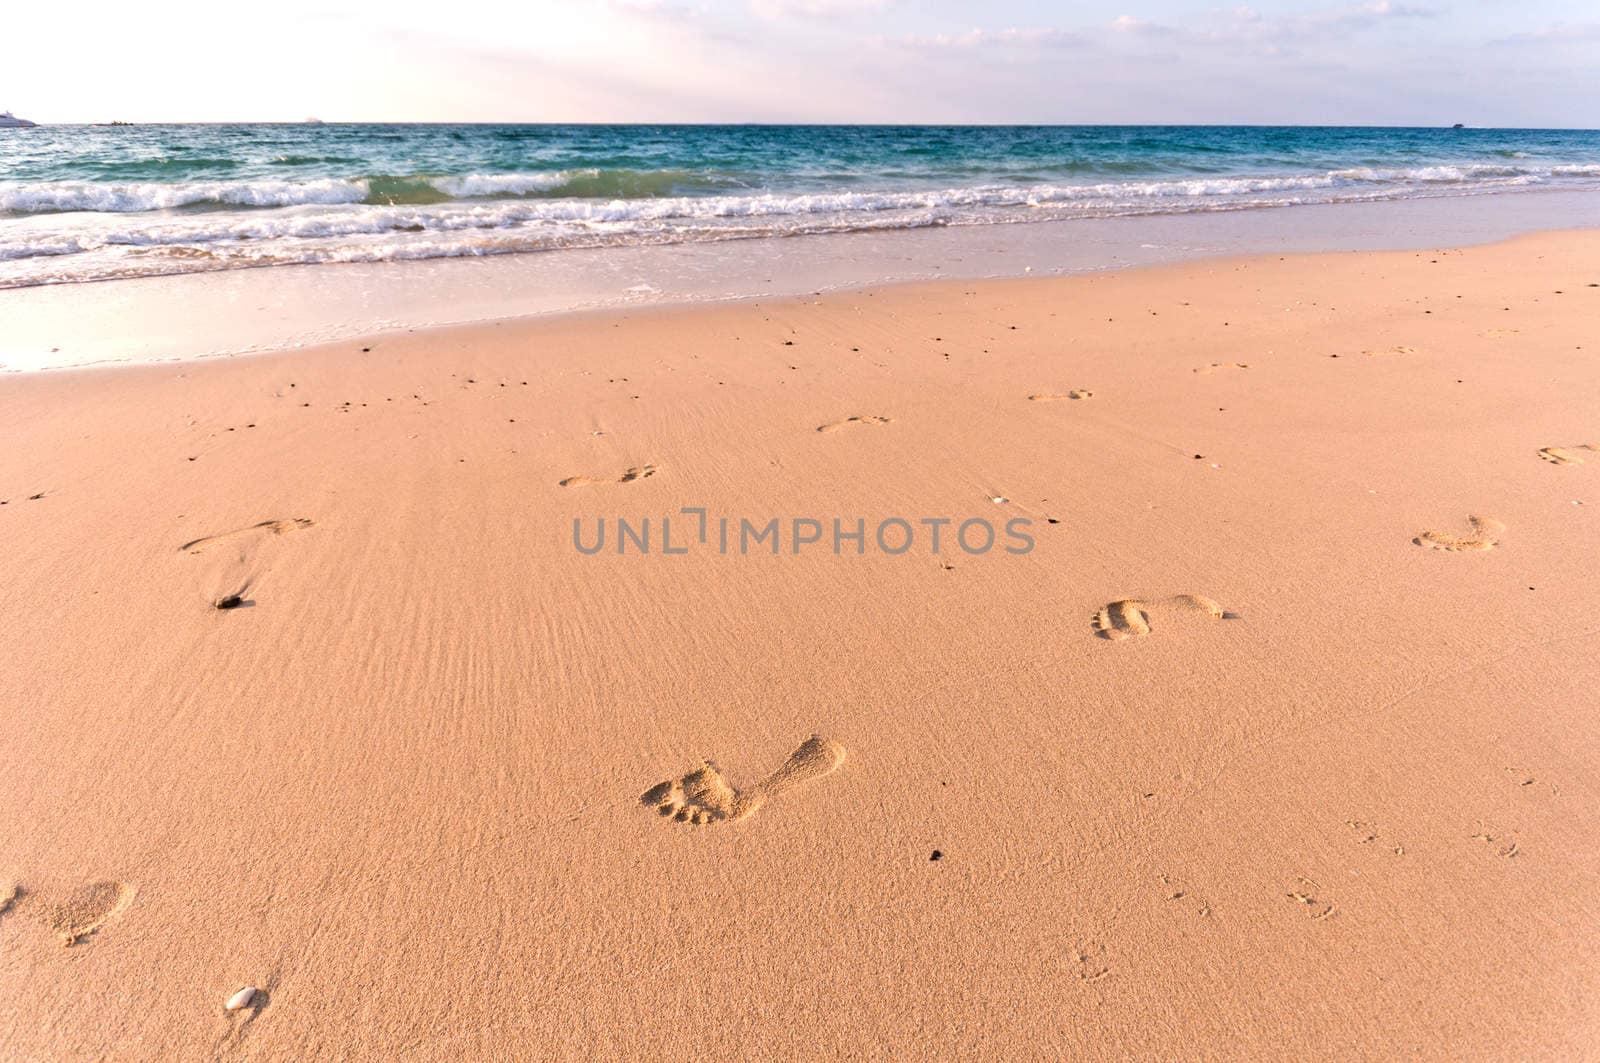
[202, 315]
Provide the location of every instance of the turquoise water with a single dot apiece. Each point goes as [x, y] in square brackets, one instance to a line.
[86, 203]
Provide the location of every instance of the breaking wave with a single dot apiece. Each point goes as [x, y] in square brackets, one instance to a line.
[54, 231]
[707, 193]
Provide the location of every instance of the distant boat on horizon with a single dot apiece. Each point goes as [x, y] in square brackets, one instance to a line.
[11, 121]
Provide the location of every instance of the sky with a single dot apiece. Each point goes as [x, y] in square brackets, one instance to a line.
[1362, 62]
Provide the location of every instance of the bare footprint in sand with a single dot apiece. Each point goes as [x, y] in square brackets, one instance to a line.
[848, 422]
[266, 527]
[1313, 898]
[1090, 961]
[705, 795]
[1485, 535]
[1065, 396]
[1568, 455]
[81, 913]
[1214, 366]
[1130, 617]
[1503, 843]
[626, 476]
[87, 909]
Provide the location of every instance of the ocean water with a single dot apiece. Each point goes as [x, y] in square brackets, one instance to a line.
[84, 203]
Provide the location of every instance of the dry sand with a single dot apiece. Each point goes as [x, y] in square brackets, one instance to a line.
[1230, 765]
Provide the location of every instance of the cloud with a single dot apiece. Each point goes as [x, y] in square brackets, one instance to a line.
[1131, 25]
[658, 10]
[779, 9]
[1365, 14]
[1038, 36]
[1247, 25]
[1560, 33]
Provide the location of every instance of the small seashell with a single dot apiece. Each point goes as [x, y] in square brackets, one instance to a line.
[241, 999]
[999, 500]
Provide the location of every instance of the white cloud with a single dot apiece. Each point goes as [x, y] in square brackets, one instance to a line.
[1130, 24]
[1364, 14]
[1561, 32]
[777, 9]
[1246, 24]
[1041, 36]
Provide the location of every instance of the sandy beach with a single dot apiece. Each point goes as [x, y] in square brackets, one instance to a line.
[1279, 742]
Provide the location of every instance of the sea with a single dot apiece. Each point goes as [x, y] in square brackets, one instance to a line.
[90, 203]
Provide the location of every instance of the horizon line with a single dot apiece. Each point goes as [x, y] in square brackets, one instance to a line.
[118, 123]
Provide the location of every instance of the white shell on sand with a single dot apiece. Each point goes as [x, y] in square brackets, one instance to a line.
[241, 999]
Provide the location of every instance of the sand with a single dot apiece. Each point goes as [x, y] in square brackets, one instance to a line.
[1231, 763]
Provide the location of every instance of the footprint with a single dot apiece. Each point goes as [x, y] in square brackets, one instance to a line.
[626, 476]
[1524, 780]
[1503, 843]
[266, 527]
[1567, 455]
[1091, 961]
[858, 419]
[88, 909]
[1075, 393]
[705, 795]
[1130, 617]
[83, 912]
[1214, 366]
[1397, 349]
[1485, 535]
[1308, 893]
[1367, 833]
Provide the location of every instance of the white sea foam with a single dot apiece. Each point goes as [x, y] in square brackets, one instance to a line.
[59, 196]
[135, 197]
[506, 184]
[83, 230]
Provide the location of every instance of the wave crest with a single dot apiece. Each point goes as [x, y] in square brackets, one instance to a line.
[122, 198]
[597, 191]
